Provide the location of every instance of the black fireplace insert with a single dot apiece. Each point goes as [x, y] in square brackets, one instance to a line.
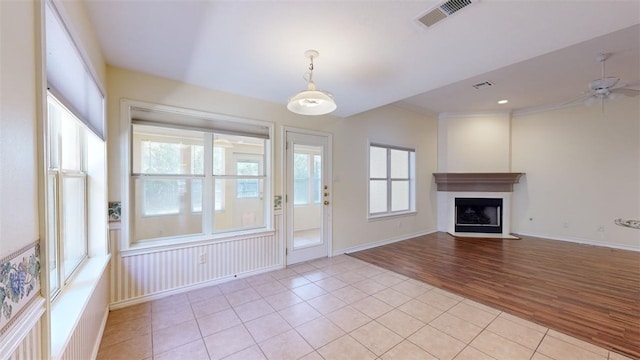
[478, 215]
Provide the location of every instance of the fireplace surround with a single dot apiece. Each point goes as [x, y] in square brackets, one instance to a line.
[498, 186]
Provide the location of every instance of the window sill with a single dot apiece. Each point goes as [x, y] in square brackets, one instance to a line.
[70, 305]
[151, 246]
[391, 216]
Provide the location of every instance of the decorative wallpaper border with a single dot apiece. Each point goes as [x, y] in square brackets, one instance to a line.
[277, 202]
[19, 283]
[115, 210]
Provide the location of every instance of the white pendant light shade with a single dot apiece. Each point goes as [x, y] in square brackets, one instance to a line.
[312, 101]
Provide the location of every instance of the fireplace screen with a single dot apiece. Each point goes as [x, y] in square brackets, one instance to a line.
[479, 215]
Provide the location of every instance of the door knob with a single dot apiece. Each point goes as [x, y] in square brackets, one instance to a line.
[326, 202]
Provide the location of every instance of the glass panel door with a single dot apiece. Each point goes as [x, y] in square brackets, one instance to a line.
[307, 197]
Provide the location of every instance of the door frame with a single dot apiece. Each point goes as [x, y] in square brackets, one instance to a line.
[327, 175]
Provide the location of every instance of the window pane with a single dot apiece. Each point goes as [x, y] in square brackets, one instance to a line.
[197, 159]
[218, 161]
[377, 196]
[399, 195]
[52, 234]
[399, 164]
[162, 197]
[301, 179]
[240, 213]
[377, 162]
[196, 195]
[317, 178]
[160, 150]
[300, 191]
[247, 188]
[160, 158]
[70, 141]
[161, 208]
[53, 117]
[219, 195]
[74, 230]
[248, 168]
[233, 144]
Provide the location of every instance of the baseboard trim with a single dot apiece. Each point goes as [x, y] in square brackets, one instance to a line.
[183, 289]
[581, 241]
[382, 242]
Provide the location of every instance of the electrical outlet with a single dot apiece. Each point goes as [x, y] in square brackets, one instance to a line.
[601, 228]
[565, 224]
[203, 258]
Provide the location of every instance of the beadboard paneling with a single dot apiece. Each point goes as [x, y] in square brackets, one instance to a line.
[30, 347]
[85, 341]
[141, 275]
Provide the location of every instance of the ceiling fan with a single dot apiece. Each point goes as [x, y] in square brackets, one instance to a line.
[607, 87]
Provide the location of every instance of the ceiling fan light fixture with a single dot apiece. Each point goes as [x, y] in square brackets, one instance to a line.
[603, 83]
[312, 101]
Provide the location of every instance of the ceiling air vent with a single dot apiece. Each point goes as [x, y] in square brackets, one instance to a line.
[443, 10]
[482, 85]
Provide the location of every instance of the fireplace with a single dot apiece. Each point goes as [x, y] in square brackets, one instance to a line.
[478, 215]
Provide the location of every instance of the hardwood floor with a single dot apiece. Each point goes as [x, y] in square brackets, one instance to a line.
[589, 292]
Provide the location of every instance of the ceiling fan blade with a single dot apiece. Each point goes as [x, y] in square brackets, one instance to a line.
[630, 86]
[627, 91]
[633, 86]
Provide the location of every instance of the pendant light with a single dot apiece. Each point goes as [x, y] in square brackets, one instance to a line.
[311, 101]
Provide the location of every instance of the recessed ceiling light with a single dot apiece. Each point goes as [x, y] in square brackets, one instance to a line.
[502, 102]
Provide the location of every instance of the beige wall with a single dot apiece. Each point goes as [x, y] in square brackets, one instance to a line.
[18, 181]
[387, 125]
[582, 173]
[474, 143]
[21, 76]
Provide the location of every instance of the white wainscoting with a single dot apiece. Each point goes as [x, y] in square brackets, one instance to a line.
[24, 339]
[85, 341]
[30, 347]
[140, 277]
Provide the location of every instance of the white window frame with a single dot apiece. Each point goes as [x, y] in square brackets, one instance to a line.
[127, 244]
[55, 179]
[389, 180]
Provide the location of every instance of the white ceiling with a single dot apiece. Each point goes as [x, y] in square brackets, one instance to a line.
[374, 53]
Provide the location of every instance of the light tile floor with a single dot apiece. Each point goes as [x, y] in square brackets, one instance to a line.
[331, 308]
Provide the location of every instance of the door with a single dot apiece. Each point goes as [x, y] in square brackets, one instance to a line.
[307, 195]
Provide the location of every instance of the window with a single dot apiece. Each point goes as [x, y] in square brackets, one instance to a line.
[67, 193]
[194, 181]
[391, 180]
